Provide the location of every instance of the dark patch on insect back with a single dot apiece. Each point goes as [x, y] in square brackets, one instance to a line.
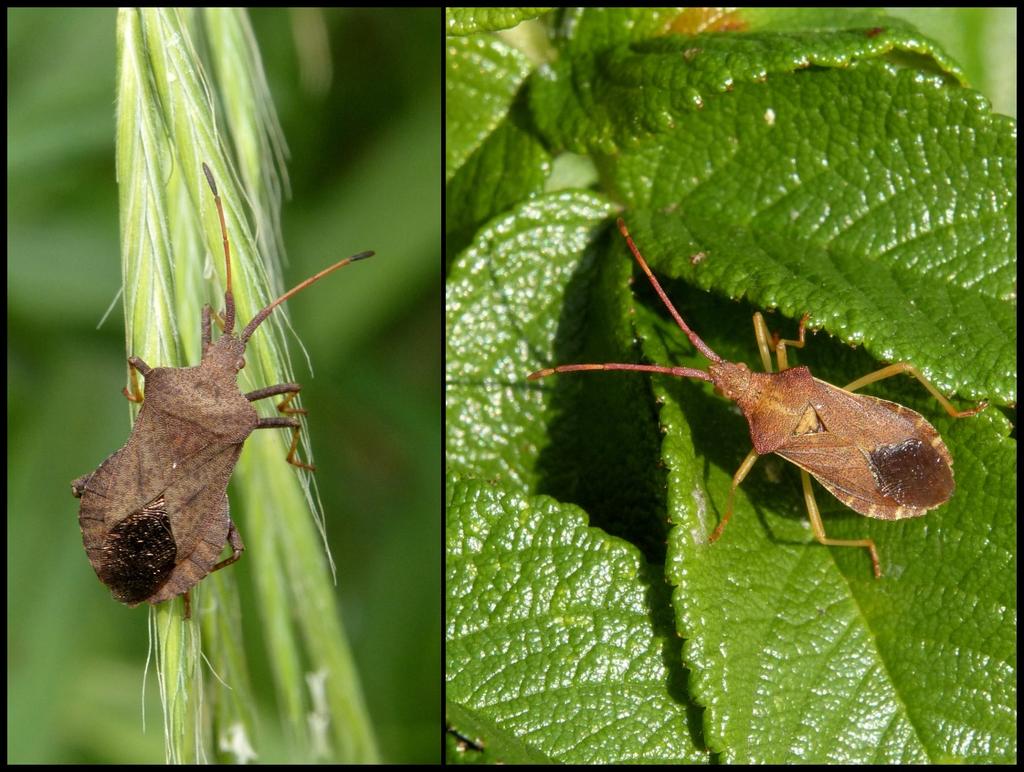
[912, 473]
[139, 554]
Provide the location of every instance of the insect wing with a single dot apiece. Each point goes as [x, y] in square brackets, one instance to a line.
[894, 465]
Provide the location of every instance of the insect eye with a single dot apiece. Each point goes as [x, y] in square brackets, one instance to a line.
[240, 363]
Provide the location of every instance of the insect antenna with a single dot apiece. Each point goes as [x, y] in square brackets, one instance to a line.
[700, 345]
[263, 314]
[229, 298]
[682, 372]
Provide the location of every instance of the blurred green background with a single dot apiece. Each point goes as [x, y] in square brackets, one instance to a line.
[358, 93]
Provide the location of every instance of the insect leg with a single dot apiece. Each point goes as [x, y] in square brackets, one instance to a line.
[906, 367]
[237, 547]
[295, 426]
[819, 529]
[135, 366]
[765, 341]
[745, 467]
[291, 389]
[207, 329]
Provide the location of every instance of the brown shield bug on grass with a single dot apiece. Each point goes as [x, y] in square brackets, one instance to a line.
[879, 458]
[154, 516]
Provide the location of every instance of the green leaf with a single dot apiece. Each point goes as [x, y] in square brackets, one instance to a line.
[879, 233]
[510, 165]
[503, 298]
[873, 198]
[466, 21]
[479, 739]
[554, 635]
[901, 237]
[828, 162]
[983, 39]
[482, 75]
[582, 31]
[621, 86]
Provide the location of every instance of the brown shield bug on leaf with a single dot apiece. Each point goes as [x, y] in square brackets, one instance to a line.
[154, 516]
[879, 458]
